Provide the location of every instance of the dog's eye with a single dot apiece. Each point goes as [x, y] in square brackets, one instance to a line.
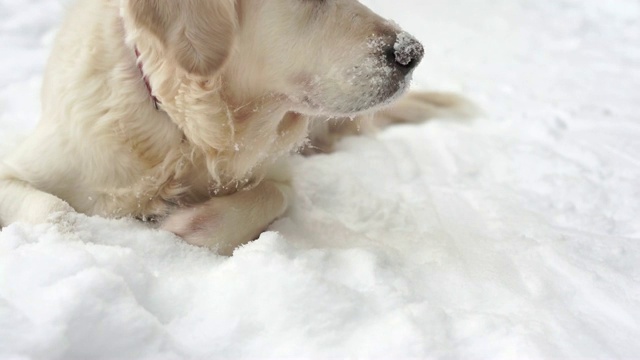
[315, 3]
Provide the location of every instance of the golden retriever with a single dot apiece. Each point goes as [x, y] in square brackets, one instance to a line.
[181, 112]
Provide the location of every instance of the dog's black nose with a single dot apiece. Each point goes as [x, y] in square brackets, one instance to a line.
[406, 53]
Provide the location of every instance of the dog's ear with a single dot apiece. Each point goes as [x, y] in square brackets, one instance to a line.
[199, 34]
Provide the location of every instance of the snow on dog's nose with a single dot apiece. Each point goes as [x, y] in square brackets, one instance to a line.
[405, 53]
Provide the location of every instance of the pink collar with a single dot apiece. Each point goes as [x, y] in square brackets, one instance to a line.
[155, 100]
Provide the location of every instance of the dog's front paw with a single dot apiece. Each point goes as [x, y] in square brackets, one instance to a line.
[64, 220]
[222, 224]
[208, 225]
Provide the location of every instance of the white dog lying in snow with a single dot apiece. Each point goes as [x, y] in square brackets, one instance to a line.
[179, 111]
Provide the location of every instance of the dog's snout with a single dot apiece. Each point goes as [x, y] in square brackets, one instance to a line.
[405, 53]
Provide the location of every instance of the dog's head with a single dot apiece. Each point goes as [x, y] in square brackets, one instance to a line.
[322, 57]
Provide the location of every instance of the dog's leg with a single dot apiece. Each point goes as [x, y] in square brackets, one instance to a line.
[21, 202]
[224, 223]
[413, 108]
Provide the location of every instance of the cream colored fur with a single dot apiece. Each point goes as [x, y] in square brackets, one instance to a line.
[239, 83]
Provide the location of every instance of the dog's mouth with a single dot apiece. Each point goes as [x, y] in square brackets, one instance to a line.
[369, 94]
[372, 83]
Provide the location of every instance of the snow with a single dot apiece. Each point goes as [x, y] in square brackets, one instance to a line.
[406, 49]
[512, 236]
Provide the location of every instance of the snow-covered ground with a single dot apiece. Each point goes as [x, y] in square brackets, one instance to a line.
[516, 235]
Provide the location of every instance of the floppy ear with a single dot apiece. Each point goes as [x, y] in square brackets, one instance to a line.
[199, 34]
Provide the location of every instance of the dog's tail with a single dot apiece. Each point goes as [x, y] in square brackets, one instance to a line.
[419, 106]
[412, 108]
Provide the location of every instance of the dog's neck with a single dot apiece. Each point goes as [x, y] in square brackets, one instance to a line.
[156, 102]
[236, 137]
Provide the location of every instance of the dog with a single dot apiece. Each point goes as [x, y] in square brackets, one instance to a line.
[182, 113]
